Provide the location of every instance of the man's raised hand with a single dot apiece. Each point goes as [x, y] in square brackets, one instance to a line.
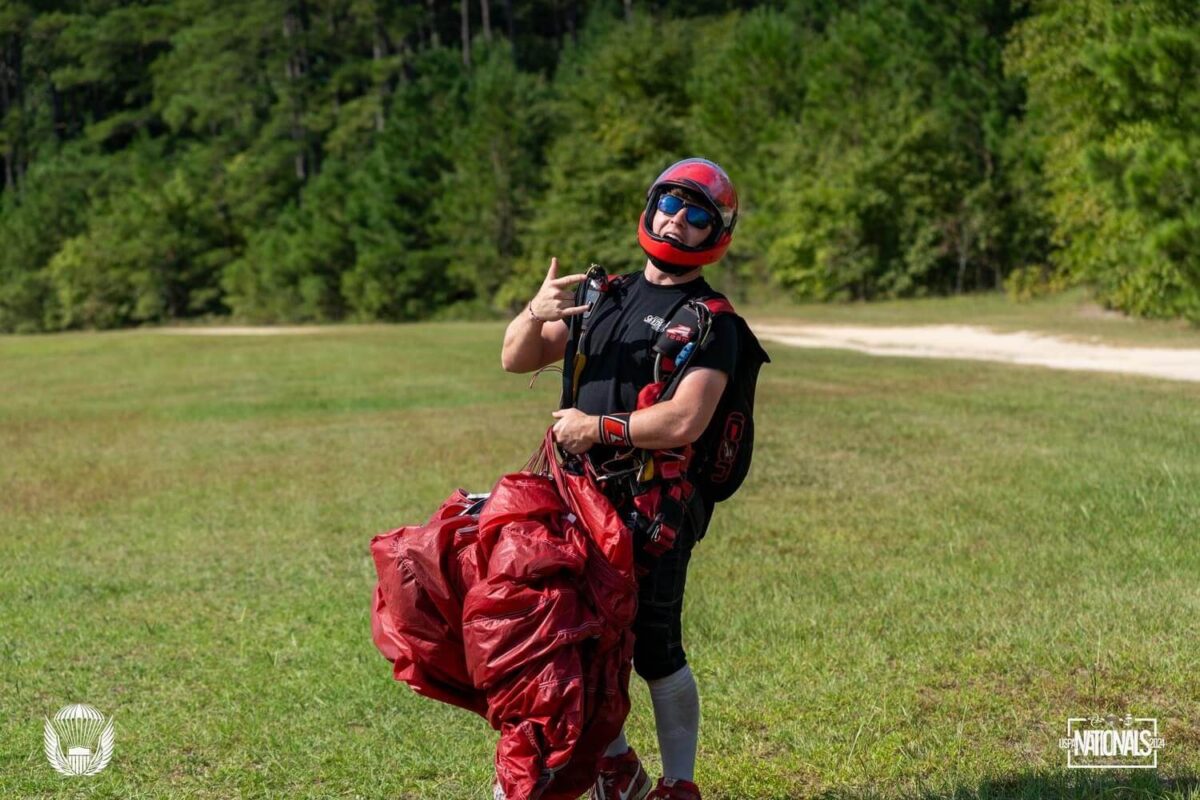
[553, 301]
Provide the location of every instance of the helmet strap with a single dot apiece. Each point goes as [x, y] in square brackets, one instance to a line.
[672, 269]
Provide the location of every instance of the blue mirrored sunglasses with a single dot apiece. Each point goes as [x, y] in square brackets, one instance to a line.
[697, 217]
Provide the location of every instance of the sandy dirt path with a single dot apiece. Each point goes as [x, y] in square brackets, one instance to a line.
[981, 344]
[913, 341]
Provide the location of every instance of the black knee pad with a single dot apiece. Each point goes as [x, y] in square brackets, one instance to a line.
[658, 629]
[656, 654]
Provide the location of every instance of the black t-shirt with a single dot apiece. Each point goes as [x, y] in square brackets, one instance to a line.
[620, 359]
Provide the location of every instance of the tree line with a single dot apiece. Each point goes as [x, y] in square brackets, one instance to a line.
[315, 160]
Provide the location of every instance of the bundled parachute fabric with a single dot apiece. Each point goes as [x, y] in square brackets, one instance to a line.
[522, 614]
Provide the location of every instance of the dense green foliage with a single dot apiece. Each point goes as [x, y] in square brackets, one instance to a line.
[311, 160]
[1114, 120]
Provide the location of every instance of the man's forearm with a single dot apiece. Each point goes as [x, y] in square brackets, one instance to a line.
[662, 426]
[657, 427]
[522, 350]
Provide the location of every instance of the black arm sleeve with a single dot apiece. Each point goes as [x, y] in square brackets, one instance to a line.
[721, 349]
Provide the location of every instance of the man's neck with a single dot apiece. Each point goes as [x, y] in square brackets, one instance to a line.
[659, 278]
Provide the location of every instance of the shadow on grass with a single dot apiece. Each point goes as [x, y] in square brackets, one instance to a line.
[1077, 785]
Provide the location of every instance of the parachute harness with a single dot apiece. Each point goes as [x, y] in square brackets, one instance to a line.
[653, 484]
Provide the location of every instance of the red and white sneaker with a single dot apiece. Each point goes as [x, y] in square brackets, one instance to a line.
[674, 789]
[621, 778]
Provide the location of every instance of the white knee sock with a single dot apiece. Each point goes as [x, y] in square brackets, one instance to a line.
[619, 746]
[677, 722]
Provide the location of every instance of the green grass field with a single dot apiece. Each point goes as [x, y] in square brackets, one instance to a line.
[933, 565]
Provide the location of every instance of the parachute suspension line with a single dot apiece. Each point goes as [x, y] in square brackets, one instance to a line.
[551, 367]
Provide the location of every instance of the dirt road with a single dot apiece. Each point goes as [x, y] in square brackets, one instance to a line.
[982, 344]
[917, 341]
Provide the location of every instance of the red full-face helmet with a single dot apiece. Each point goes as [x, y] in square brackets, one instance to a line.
[708, 180]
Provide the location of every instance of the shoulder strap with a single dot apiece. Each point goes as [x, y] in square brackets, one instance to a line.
[719, 304]
[592, 291]
[695, 319]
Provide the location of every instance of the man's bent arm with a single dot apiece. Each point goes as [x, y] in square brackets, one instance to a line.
[684, 417]
[672, 423]
[530, 345]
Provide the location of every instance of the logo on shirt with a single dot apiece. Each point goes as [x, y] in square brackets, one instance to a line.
[680, 333]
[656, 322]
